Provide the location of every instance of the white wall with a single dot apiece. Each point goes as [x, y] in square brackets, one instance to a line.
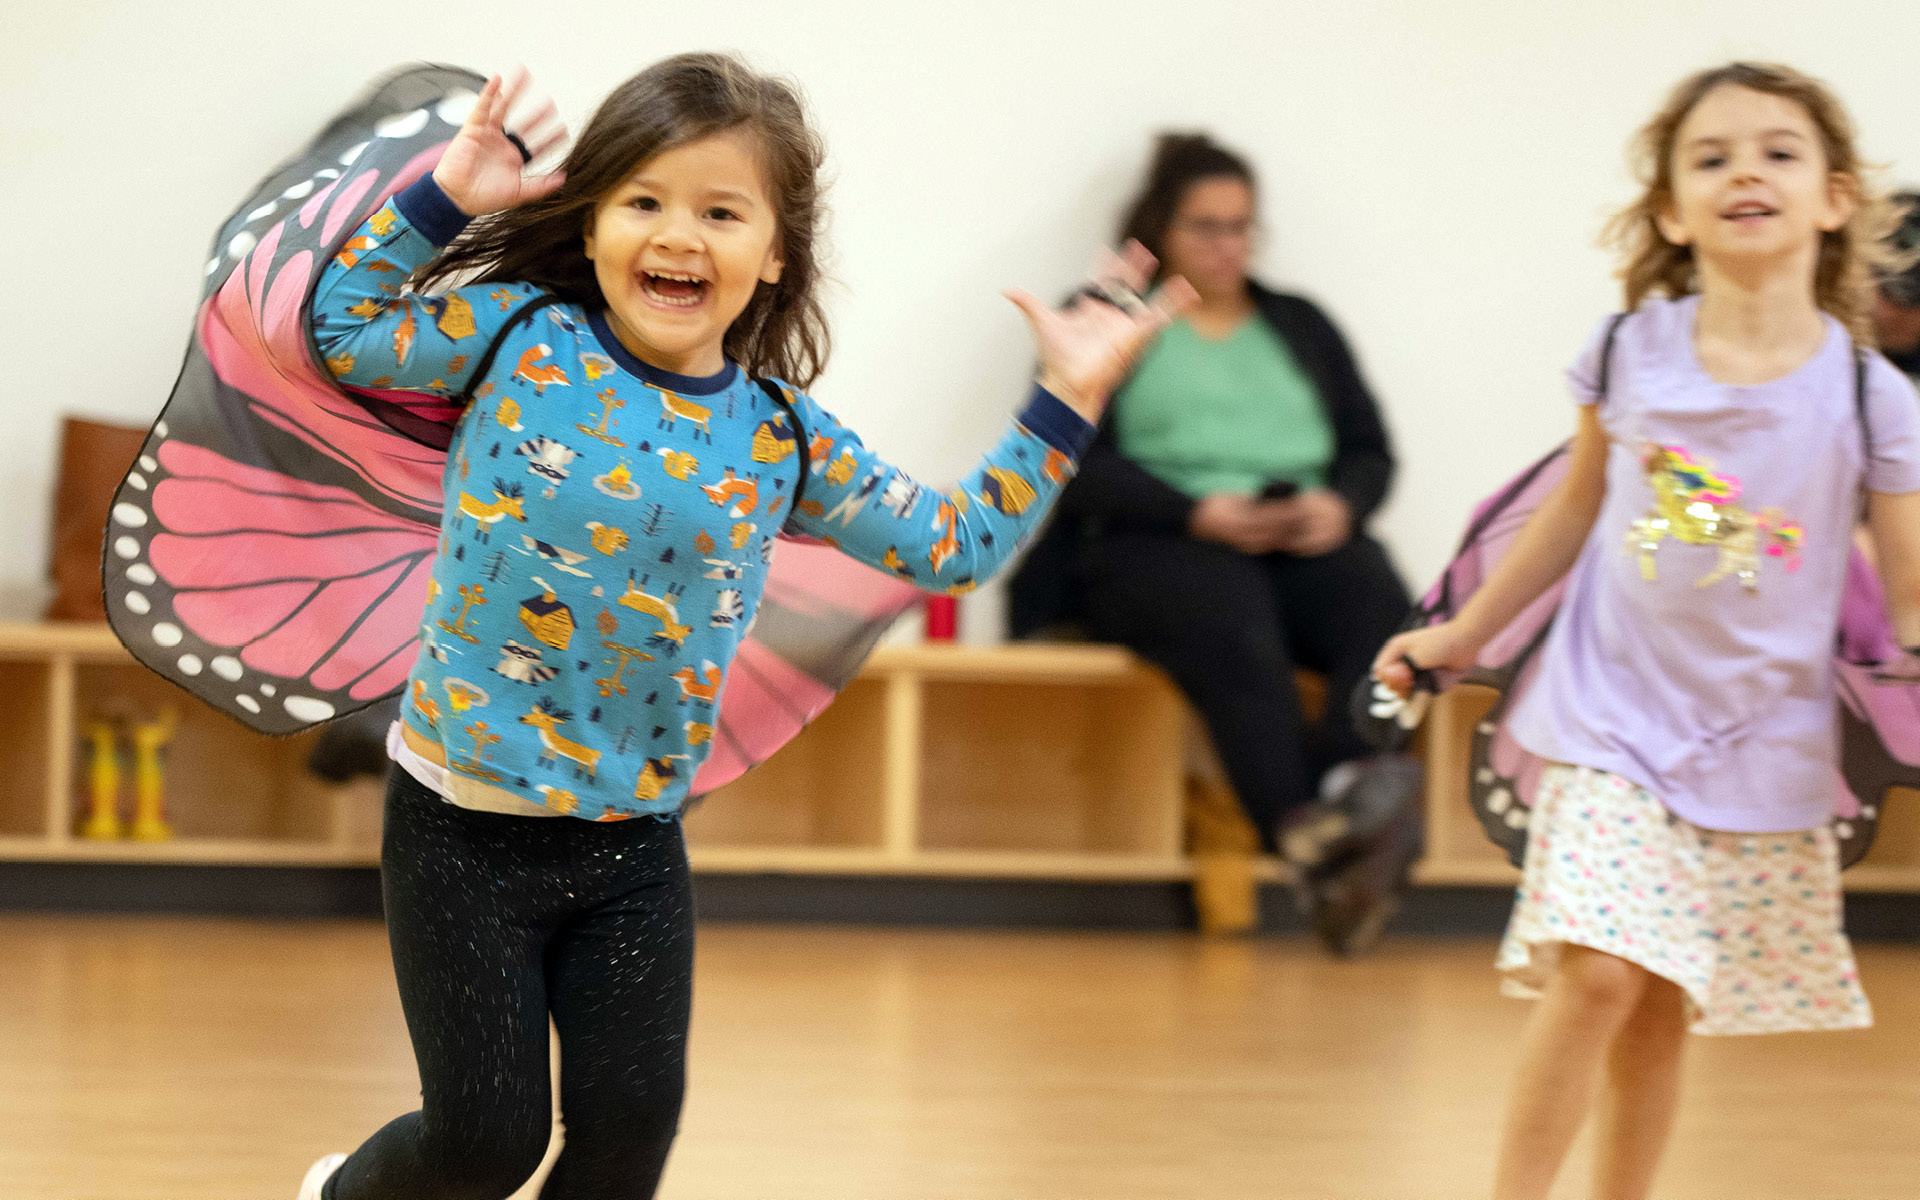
[1434, 173]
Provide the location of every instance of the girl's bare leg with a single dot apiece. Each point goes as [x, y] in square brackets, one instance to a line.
[1643, 1092]
[1568, 1039]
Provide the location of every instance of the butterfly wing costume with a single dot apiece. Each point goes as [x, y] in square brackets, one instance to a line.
[271, 549]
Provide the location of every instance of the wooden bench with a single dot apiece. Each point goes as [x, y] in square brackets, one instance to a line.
[1043, 761]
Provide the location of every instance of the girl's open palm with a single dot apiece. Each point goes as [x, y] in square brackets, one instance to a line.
[1089, 346]
[481, 170]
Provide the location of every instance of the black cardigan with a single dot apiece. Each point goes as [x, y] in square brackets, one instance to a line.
[1113, 491]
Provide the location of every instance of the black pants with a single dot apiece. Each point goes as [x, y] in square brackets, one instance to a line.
[496, 921]
[1230, 628]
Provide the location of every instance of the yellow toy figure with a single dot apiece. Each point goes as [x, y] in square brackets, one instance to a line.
[103, 785]
[149, 798]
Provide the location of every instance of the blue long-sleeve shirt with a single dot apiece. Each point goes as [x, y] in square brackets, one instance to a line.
[608, 525]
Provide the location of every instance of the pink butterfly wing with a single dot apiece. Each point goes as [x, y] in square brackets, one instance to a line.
[301, 579]
[818, 618]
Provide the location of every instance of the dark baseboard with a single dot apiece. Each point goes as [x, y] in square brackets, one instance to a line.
[1048, 904]
[190, 888]
[284, 892]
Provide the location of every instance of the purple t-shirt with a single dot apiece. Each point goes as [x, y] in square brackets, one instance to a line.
[1693, 653]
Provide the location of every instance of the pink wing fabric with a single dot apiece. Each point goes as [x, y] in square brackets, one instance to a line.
[271, 550]
[818, 620]
[305, 581]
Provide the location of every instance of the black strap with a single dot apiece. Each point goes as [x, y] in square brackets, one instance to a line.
[492, 351]
[1606, 355]
[1860, 407]
[799, 438]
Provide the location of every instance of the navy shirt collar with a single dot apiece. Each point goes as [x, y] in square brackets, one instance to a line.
[689, 385]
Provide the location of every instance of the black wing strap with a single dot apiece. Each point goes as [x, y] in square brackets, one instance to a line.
[492, 351]
[799, 438]
[1860, 403]
[1606, 355]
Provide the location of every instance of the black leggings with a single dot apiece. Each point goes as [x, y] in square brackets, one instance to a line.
[1230, 628]
[496, 921]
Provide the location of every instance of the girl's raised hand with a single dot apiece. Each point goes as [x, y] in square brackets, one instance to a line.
[481, 170]
[1088, 347]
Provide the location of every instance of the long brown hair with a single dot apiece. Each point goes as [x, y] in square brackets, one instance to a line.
[783, 330]
[1843, 276]
[1180, 160]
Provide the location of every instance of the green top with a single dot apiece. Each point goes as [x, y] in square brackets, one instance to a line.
[1231, 415]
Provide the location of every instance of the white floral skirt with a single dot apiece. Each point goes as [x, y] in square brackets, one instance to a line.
[1747, 924]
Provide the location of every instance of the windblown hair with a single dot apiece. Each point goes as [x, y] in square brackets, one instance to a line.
[1180, 160]
[783, 330]
[1849, 256]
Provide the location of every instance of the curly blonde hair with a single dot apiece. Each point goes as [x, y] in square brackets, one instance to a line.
[1844, 273]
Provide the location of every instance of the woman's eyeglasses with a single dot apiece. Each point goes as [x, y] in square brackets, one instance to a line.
[1208, 229]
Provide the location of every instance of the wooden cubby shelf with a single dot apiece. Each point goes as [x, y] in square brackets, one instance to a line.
[1040, 761]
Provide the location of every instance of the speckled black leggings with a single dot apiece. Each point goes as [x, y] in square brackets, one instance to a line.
[494, 921]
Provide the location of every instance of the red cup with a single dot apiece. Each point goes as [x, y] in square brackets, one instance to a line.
[943, 618]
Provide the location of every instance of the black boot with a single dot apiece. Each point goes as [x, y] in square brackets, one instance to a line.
[1352, 853]
[1331, 830]
[1358, 899]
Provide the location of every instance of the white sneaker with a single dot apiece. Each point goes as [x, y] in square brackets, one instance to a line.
[318, 1174]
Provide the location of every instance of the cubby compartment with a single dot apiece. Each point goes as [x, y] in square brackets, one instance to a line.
[823, 789]
[221, 781]
[1458, 849]
[1054, 767]
[28, 717]
[1896, 846]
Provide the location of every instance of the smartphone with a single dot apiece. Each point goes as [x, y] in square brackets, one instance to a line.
[1280, 489]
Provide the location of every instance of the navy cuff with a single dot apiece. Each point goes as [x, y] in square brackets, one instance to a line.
[428, 210]
[1048, 418]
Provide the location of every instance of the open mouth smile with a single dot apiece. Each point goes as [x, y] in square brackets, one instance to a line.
[674, 289]
[1749, 213]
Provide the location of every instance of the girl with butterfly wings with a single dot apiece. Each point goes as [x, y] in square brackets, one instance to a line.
[1680, 872]
[601, 374]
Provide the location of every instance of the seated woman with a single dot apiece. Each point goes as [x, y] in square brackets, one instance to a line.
[1896, 308]
[1217, 524]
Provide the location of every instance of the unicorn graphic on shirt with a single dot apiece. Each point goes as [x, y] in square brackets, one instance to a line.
[1698, 507]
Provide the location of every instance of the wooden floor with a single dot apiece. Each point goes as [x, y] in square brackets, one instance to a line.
[213, 1060]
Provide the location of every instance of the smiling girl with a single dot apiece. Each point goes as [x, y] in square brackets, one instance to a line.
[634, 329]
[1679, 872]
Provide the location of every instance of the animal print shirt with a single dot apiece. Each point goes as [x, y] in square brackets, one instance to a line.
[608, 525]
[1693, 653]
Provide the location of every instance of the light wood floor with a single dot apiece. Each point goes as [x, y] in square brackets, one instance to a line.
[213, 1060]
